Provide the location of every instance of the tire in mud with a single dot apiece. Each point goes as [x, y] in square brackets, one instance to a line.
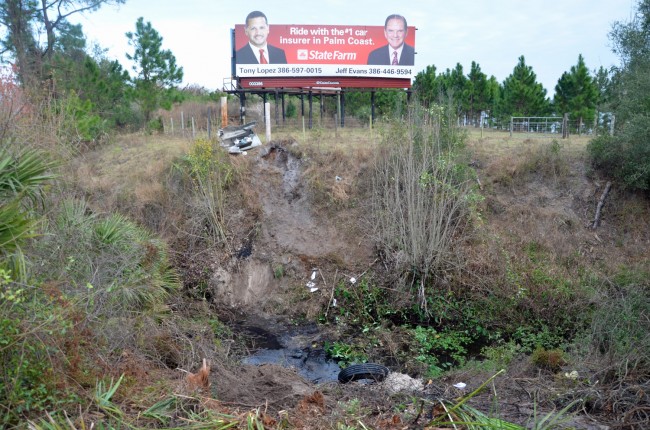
[372, 371]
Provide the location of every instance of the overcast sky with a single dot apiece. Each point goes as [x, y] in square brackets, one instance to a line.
[549, 33]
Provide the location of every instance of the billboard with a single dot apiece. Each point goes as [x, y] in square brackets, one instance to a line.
[312, 55]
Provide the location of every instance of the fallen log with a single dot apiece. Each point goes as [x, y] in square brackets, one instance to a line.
[600, 205]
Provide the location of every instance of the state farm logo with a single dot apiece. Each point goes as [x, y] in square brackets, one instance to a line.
[256, 83]
[303, 54]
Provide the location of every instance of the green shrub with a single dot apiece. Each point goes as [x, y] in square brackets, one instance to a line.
[31, 332]
[345, 354]
[122, 267]
[440, 350]
[620, 326]
[79, 123]
[211, 174]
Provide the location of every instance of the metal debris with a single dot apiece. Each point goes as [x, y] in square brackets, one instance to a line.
[239, 139]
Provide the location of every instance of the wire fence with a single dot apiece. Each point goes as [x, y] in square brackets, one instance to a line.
[205, 121]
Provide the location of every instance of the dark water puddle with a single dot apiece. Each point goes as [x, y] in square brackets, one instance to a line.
[311, 364]
[290, 347]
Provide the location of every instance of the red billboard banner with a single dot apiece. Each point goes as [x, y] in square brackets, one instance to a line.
[317, 83]
[303, 51]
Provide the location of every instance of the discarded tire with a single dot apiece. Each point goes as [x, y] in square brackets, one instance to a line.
[355, 372]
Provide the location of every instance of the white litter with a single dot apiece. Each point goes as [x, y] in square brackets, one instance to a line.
[313, 289]
[310, 285]
[333, 303]
[460, 385]
[353, 280]
[313, 275]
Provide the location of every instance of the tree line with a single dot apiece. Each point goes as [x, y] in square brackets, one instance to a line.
[50, 56]
[82, 79]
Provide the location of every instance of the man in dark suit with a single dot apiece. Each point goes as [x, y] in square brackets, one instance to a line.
[257, 51]
[396, 53]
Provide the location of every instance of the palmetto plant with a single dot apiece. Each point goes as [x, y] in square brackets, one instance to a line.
[22, 177]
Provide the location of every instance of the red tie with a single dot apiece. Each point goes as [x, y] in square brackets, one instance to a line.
[395, 62]
[262, 57]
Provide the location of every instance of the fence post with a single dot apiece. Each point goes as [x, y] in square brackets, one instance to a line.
[611, 125]
[171, 119]
[182, 123]
[565, 126]
[511, 123]
[209, 121]
[193, 130]
[336, 125]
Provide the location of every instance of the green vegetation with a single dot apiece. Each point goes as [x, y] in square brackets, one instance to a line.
[576, 93]
[626, 155]
[155, 68]
[94, 305]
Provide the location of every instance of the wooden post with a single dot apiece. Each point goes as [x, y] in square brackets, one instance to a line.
[224, 111]
[171, 119]
[565, 126]
[193, 130]
[511, 125]
[182, 123]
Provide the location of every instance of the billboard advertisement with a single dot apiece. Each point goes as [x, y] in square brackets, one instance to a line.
[263, 51]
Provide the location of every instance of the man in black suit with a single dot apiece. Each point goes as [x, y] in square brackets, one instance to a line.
[257, 51]
[396, 52]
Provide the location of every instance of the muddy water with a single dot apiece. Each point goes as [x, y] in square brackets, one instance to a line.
[297, 348]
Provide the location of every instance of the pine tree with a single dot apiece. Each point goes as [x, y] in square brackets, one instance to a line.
[427, 85]
[576, 93]
[522, 94]
[477, 96]
[155, 68]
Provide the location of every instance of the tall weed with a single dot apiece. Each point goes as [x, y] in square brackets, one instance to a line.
[211, 174]
[422, 196]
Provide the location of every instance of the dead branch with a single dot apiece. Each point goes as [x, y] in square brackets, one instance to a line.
[601, 203]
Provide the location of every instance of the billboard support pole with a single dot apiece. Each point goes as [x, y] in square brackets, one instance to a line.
[302, 105]
[277, 111]
[320, 99]
[265, 105]
[311, 99]
[267, 117]
[284, 118]
[372, 106]
[242, 107]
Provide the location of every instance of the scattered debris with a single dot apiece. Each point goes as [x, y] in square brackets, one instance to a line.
[239, 139]
[571, 375]
[460, 385]
[200, 379]
[397, 382]
[353, 280]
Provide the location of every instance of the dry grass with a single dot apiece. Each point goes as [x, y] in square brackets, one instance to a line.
[129, 173]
